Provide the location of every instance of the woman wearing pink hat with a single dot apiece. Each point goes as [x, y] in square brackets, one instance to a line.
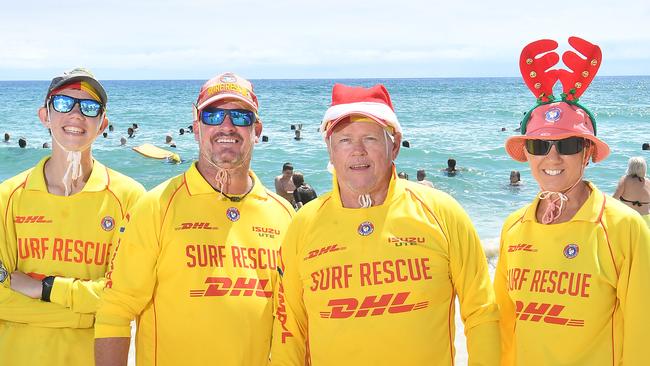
[572, 278]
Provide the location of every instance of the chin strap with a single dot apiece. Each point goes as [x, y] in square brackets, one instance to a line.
[553, 210]
[557, 200]
[74, 171]
[365, 201]
[222, 177]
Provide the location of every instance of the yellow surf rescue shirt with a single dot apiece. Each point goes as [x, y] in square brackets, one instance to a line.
[198, 272]
[377, 286]
[575, 293]
[68, 237]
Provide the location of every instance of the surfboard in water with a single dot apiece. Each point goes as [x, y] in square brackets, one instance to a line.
[156, 152]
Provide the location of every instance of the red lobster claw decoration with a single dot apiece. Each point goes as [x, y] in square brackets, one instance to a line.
[536, 70]
[583, 70]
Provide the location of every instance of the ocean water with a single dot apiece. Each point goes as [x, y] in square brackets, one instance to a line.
[441, 118]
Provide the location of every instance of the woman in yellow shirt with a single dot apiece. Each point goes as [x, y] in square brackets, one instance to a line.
[572, 278]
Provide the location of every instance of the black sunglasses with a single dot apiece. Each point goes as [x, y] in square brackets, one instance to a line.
[568, 146]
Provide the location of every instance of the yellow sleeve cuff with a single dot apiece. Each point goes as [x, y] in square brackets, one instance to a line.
[111, 331]
[61, 291]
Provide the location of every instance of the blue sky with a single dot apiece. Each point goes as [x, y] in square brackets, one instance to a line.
[194, 39]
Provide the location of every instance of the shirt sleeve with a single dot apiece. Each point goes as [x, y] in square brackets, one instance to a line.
[81, 296]
[290, 324]
[16, 307]
[506, 308]
[130, 279]
[471, 279]
[633, 292]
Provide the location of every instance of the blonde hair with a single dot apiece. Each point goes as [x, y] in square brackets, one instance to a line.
[636, 166]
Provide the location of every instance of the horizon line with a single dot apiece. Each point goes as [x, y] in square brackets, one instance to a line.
[338, 78]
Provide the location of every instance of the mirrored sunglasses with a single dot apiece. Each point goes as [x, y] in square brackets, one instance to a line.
[239, 117]
[64, 104]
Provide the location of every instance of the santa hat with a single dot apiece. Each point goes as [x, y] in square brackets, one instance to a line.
[373, 103]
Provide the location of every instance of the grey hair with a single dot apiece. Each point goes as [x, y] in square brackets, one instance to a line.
[636, 166]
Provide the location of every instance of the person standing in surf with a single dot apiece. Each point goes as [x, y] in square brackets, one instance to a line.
[57, 232]
[634, 188]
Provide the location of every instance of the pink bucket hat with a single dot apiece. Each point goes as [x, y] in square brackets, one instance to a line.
[557, 121]
[550, 120]
[373, 103]
[227, 86]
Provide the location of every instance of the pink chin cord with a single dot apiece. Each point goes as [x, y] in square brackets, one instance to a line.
[556, 205]
[553, 210]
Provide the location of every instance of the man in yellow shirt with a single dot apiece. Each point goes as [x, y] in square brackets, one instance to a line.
[56, 236]
[572, 278]
[197, 262]
[373, 268]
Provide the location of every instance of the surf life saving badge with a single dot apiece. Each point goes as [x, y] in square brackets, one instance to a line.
[228, 78]
[232, 214]
[365, 228]
[571, 251]
[108, 223]
[553, 115]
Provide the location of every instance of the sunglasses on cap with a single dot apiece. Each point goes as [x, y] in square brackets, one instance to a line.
[568, 146]
[239, 117]
[64, 104]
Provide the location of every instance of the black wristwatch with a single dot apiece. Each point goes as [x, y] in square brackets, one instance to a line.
[48, 282]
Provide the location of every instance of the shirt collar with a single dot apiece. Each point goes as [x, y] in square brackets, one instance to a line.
[98, 180]
[591, 210]
[196, 184]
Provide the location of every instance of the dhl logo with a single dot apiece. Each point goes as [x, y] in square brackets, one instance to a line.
[401, 241]
[327, 249]
[281, 314]
[196, 225]
[242, 286]
[267, 232]
[31, 220]
[371, 305]
[549, 313]
[521, 247]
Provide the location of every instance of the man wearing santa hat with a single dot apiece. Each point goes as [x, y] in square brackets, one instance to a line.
[371, 270]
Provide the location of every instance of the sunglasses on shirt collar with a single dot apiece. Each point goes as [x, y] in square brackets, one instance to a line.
[64, 104]
[568, 146]
[238, 117]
